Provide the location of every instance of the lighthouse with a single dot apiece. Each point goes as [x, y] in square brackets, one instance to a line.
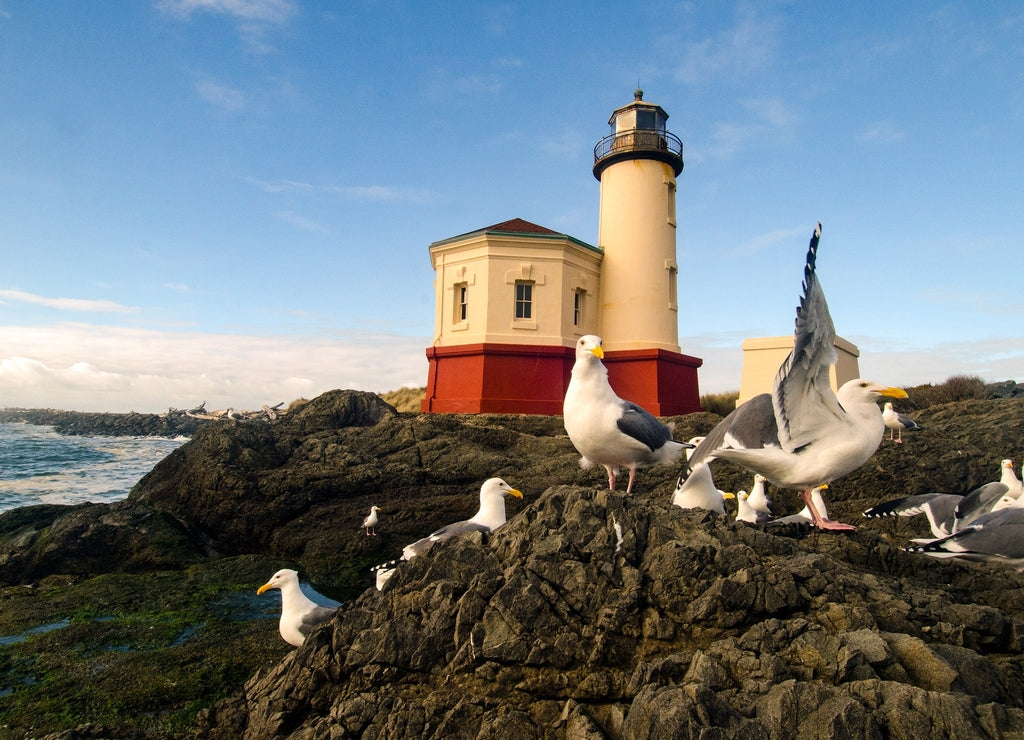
[512, 299]
[637, 165]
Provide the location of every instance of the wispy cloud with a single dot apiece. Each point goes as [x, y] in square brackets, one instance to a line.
[749, 45]
[65, 304]
[365, 193]
[254, 18]
[885, 132]
[385, 194]
[179, 287]
[248, 11]
[301, 222]
[763, 241]
[281, 186]
[221, 96]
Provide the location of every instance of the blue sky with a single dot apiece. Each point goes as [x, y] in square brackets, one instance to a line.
[231, 201]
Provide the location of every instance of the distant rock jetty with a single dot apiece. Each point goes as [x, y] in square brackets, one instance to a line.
[174, 423]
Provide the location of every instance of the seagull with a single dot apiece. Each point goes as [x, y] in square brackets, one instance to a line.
[370, 522]
[994, 537]
[758, 499]
[693, 442]
[803, 434]
[1009, 478]
[605, 429]
[489, 517]
[299, 613]
[940, 508]
[947, 512]
[747, 513]
[701, 493]
[897, 421]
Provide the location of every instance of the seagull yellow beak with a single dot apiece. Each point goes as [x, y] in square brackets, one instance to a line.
[727, 495]
[894, 393]
[514, 493]
[597, 352]
[264, 587]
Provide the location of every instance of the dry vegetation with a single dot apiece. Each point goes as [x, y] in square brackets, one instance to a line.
[955, 388]
[405, 399]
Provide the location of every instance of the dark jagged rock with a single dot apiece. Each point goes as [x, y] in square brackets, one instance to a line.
[597, 614]
[551, 627]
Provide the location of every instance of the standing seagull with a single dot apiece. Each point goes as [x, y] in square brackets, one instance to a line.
[605, 429]
[370, 522]
[299, 613]
[897, 421]
[803, 434]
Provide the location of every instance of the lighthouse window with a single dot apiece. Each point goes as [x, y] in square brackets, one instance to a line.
[577, 308]
[524, 299]
[646, 119]
[461, 302]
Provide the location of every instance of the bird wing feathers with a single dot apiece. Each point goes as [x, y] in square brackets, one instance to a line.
[639, 424]
[802, 395]
[314, 617]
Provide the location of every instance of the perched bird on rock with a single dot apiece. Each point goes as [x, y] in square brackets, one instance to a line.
[803, 434]
[370, 522]
[758, 499]
[896, 421]
[489, 517]
[605, 429]
[747, 513]
[1008, 477]
[701, 493]
[299, 613]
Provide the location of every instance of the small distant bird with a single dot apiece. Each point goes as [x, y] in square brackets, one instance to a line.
[896, 421]
[607, 430]
[701, 492]
[758, 499]
[804, 434]
[299, 613]
[747, 513]
[370, 522]
[489, 517]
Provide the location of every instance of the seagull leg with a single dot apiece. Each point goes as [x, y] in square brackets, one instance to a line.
[632, 476]
[900, 440]
[611, 477]
[819, 521]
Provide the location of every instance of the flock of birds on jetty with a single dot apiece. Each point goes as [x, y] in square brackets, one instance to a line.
[802, 436]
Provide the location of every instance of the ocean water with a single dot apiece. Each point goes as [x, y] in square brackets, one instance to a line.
[40, 466]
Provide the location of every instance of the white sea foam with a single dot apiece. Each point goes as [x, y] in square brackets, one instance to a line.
[40, 466]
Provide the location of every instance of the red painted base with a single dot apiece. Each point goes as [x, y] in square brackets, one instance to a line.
[531, 379]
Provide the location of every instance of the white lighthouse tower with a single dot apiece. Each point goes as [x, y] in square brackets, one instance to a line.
[637, 165]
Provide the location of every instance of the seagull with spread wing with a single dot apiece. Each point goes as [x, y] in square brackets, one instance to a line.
[803, 434]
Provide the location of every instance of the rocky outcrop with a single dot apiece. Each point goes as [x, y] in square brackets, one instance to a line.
[597, 615]
[590, 614]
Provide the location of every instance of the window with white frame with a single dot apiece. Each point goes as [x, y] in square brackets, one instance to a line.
[578, 297]
[461, 303]
[524, 299]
